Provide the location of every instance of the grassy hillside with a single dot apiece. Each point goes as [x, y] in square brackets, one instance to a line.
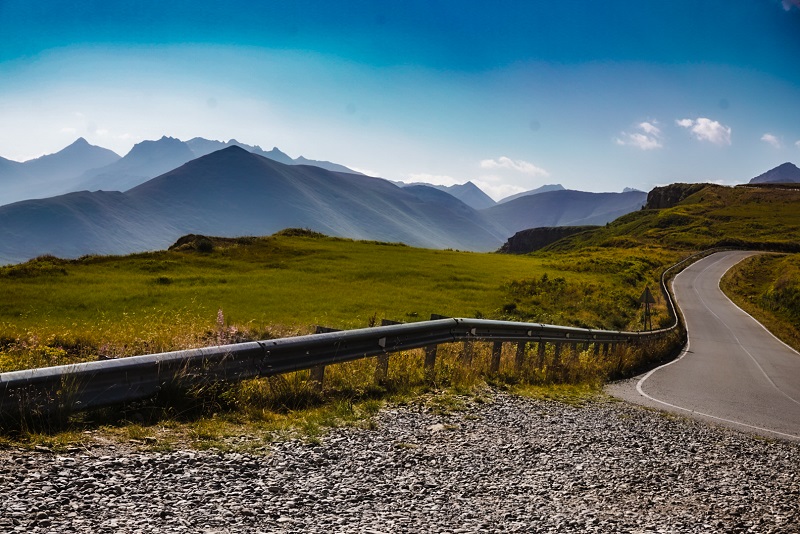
[202, 292]
[760, 218]
[768, 287]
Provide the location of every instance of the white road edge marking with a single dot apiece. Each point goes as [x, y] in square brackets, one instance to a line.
[689, 410]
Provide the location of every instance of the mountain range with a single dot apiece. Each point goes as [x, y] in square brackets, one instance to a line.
[233, 192]
[82, 166]
[50, 174]
[243, 190]
[543, 189]
[564, 208]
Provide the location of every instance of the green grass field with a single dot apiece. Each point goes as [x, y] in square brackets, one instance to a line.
[762, 218]
[768, 287]
[57, 311]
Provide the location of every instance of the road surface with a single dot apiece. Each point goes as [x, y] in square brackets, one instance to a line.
[732, 371]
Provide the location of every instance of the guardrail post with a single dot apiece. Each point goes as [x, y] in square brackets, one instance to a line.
[317, 373]
[541, 354]
[382, 361]
[317, 376]
[605, 349]
[466, 353]
[497, 352]
[520, 357]
[430, 361]
[557, 354]
[596, 348]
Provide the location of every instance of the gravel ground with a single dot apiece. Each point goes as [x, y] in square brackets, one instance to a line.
[507, 465]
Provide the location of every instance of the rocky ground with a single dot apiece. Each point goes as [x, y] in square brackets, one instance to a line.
[507, 465]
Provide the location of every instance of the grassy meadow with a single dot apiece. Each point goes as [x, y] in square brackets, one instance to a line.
[743, 217]
[767, 286]
[59, 311]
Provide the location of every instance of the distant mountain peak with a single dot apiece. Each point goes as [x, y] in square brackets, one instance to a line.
[783, 173]
[233, 149]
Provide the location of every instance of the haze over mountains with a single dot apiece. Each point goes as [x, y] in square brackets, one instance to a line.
[243, 190]
[82, 166]
[234, 192]
[564, 208]
[50, 174]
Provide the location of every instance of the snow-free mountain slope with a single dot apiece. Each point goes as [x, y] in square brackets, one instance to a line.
[543, 189]
[564, 208]
[785, 173]
[470, 194]
[50, 174]
[144, 161]
[242, 193]
[70, 161]
[232, 193]
[203, 147]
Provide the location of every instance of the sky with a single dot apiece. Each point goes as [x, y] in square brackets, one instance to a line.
[512, 95]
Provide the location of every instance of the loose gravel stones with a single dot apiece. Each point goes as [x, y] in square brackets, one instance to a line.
[508, 465]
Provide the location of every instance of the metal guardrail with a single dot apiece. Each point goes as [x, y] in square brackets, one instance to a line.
[94, 384]
[88, 385]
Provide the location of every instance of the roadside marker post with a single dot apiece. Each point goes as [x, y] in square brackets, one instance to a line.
[647, 299]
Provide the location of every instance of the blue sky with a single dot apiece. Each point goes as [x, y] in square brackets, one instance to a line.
[509, 94]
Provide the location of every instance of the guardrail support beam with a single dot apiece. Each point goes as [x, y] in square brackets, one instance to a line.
[557, 354]
[430, 361]
[382, 361]
[497, 353]
[542, 352]
[520, 356]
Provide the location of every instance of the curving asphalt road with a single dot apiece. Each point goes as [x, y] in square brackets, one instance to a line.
[733, 371]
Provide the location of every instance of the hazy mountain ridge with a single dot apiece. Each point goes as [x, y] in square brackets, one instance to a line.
[564, 208]
[144, 161]
[202, 147]
[233, 192]
[468, 193]
[539, 190]
[81, 166]
[43, 176]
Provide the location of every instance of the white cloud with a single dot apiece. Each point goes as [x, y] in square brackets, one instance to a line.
[522, 166]
[771, 139]
[707, 130]
[797, 144]
[648, 138]
[788, 4]
[436, 179]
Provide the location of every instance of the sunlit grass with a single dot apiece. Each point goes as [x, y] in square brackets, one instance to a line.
[768, 288]
[58, 311]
